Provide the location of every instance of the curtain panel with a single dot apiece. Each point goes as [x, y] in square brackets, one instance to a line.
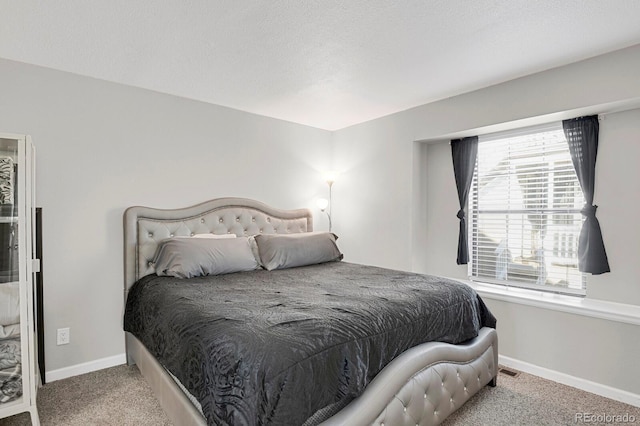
[582, 136]
[464, 152]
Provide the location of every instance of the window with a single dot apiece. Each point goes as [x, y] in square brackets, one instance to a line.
[524, 211]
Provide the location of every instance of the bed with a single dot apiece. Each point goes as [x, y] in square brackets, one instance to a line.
[378, 365]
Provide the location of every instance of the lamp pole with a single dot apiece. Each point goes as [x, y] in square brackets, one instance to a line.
[330, 182]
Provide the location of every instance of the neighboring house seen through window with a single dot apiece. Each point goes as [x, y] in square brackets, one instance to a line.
[524, 211]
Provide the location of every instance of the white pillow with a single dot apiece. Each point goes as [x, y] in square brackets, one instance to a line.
[9, 331]
[9, 303]
[254, 249]
[209, 235]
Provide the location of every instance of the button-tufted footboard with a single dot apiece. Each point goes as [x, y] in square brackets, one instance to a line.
[425, 384]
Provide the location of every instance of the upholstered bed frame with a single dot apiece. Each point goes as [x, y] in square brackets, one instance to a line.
[421, 386]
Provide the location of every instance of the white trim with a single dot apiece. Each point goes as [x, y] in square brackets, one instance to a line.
[602, 309]
[600, 109]
[85, 367]
[576, 382]
[556, 376]
[551, 126]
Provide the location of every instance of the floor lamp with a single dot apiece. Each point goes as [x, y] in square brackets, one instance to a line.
[324, 204]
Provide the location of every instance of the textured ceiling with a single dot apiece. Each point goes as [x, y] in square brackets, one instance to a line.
[323, 63]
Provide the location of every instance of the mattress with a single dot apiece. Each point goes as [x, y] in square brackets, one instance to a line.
[277, 347]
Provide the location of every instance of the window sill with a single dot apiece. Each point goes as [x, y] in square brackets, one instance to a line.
[602, 309]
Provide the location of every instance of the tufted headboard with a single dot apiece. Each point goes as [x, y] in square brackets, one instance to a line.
[145, 227]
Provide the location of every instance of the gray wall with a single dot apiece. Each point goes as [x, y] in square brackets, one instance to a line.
[395, 203]
[102, 147]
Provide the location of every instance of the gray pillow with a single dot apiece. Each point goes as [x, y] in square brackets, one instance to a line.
[279, 251]
[194, 257]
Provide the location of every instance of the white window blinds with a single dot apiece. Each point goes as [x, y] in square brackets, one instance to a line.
[524, 211]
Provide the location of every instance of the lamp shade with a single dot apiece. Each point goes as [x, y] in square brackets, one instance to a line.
[331, 176]
[322, 203]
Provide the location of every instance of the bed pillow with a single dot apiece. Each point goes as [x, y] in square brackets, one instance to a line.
[215, 236]
[194, 257]
[9, 332]
[280, 251]
[209, 235]
[254, 249]
[9, 303]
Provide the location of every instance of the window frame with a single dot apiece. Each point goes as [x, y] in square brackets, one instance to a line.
[549, 210]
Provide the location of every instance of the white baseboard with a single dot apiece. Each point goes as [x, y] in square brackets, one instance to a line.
[566, 379]
[86, 367]
[576, 382]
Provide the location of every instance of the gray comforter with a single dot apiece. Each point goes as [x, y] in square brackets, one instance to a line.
[261, 347]
[10, 370]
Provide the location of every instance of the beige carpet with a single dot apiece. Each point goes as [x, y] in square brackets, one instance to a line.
[120, 396]
[114, 396]
[530, 400]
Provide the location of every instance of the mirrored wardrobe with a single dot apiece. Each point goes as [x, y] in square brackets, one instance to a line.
[18, 372]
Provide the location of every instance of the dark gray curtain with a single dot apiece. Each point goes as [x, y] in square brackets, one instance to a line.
[582, 136]
[464, 152]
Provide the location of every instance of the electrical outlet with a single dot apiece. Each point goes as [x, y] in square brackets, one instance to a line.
[64, 336]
